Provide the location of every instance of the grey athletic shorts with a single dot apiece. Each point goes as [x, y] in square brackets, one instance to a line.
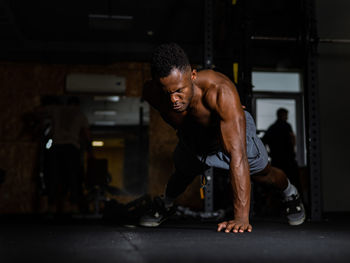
[256, 153]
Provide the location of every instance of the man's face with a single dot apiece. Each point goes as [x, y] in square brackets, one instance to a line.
[178, 86]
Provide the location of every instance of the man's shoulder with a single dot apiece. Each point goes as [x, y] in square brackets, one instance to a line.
[210, 93]
[215, 85]
[212, 76]
[208, 80]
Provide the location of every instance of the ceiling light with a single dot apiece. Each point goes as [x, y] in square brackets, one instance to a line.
[107, 98]
[97, 143]
[120, 17]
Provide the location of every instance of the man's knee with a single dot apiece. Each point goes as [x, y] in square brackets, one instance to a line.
[268, 175]
[272, 176]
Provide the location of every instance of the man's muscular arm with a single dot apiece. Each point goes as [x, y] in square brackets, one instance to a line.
[225, 101]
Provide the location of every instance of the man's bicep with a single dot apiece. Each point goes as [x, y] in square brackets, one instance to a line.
[229, 107]
[232, 123]
[233, 136]
[224, 101]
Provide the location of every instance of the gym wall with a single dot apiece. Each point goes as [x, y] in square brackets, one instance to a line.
[334, 92]
[21, 87]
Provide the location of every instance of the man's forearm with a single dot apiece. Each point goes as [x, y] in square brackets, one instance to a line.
[240, 182]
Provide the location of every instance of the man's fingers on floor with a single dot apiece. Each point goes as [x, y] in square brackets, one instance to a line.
[250, 228]
[237, 228]
[229, 227]
[222, 226]
[247, 228]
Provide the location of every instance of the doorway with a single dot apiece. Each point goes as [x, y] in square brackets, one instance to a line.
[274, 90]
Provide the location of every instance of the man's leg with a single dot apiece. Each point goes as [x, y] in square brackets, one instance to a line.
[277, 178]
[187, 167]
[272, 176]
[261, 171]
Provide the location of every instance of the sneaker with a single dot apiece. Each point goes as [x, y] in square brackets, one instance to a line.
[157, 214]
[295, 211]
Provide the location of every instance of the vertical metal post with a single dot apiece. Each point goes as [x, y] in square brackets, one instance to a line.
[241, 39]
[208, 62]
[246, 49]
[208, 34]
[208, 191]
[312, 105]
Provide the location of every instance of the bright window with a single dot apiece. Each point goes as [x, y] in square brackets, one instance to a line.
[276, 81]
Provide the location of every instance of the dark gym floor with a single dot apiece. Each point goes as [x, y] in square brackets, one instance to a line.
[175, 241]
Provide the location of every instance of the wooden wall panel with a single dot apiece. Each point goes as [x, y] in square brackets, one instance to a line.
[21, 87]
[162, 143]
[18, 192]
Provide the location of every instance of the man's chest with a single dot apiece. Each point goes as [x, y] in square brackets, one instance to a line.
[195, 118]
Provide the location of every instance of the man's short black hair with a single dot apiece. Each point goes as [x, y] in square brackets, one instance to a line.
[166, 57]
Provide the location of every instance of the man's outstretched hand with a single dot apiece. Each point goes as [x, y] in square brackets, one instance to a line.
[236, 226]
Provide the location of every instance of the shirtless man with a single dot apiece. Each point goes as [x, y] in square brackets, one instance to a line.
[213, 130]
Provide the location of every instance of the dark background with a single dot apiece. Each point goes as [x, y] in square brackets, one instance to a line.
[43, 41]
